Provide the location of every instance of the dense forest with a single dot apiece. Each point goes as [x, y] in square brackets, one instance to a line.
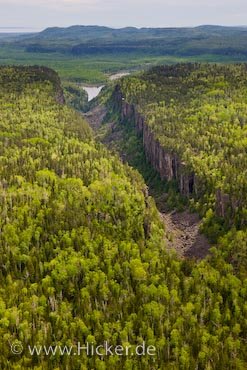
[83, 254]
[89, 54]
[192, 119]
[183, 41]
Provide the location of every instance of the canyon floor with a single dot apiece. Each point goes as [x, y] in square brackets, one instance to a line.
[182, 228]
[183, 234]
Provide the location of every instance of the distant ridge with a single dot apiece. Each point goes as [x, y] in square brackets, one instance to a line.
[76, 40]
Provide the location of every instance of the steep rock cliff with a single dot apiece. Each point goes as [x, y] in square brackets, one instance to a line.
[167, 163]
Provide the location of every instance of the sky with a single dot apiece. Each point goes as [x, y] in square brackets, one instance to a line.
[39, 14]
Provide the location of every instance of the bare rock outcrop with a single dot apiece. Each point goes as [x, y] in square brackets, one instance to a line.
[166, 162]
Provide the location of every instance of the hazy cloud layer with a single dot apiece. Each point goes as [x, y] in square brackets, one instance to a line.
[115, 13]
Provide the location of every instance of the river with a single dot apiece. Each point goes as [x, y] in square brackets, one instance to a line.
[93, 91]
[118, 75]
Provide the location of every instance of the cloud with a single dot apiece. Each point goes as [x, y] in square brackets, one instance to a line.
[119, 13]
[51, 3]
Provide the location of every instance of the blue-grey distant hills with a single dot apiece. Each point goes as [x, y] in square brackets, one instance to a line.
[93, 40]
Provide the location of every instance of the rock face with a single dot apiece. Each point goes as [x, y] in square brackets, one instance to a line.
[166, 163]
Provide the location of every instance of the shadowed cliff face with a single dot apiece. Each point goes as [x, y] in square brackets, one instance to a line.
[167, 163]
[182, 229]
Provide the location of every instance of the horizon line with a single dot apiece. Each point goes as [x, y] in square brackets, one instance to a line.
[40, 29]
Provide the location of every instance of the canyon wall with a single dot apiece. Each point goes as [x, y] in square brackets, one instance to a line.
[167, 163]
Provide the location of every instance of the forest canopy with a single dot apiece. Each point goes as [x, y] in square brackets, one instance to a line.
[83, 255]
[197, 113]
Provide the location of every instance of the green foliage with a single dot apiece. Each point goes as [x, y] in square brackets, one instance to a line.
[83, 256]
[75, 96]
[122, 138]
[90, 54]
[198, 112]
[95, 40]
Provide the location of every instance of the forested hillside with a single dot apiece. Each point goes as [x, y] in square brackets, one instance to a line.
[89, 54]
[184, 41]
[82, 250]
[193, 121]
